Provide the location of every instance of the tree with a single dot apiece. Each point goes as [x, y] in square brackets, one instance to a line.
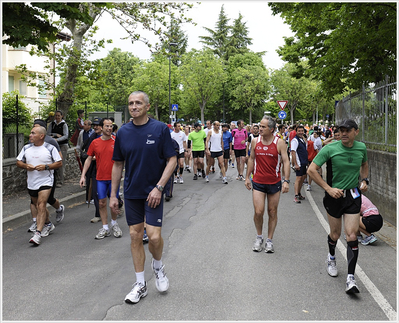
[202, 77]
[177, 36]
[345, 44]
[238, 41]
[10, 110]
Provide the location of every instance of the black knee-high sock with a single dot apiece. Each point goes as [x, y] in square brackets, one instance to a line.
[181, 170]
[352, 252]
[331, 246]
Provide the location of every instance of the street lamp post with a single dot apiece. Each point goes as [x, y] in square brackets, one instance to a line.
[170, 104]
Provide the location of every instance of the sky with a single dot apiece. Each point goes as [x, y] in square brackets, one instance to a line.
[267, 31]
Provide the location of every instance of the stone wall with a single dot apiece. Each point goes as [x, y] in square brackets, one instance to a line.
[14, 178]
[382, 189]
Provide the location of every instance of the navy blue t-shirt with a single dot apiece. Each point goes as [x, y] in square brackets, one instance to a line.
[144, 149]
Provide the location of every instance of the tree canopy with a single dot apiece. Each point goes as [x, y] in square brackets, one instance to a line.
[345, 44]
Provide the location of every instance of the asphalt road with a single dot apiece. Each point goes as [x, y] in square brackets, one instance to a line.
[213, 272]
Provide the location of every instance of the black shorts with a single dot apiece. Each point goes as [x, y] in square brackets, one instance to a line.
[239, 153]
[198, 154]
[35, 193]
[137, 209]
[226, 154]
[373, 223]
[301, 171]
[267, 188]
[345, 204]
[180, 155]
[216, 154]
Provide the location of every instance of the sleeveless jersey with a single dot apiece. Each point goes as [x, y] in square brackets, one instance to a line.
[267, 162]
[215, 142]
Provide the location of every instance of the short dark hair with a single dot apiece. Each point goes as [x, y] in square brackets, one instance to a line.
[102, 121]
[80, 111]
[300, 126]
[40, 122]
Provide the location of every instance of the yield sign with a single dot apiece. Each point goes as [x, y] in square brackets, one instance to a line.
[282, 104]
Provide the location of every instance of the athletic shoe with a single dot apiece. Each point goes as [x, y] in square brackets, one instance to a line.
[332, 267]
[296, 199]
[92, 201]
[368, 240]
[203, 173]
[139, 290]
[47, 229]
[195, 177]
[213, 169]
[35, 238]
[359, 238]
[242, 178]
[95, 219]
[188, 169]
[269, 247]
[351, 286]
[181, 180]
[237, 178]
[175, 180]
[102, 233]
[167, 198]
[309, 188]
[207, 179]
[301, 197]
[145, 237]
[220, 175]
[199, 174]
[161, 281]
[116, 231]
[224, 181]
[232, 165]
[258, 244]
[60, 214]
[33, 227]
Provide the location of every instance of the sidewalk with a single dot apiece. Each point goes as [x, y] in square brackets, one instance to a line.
[16, 209]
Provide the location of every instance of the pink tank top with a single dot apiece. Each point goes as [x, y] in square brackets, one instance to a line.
[267, 162]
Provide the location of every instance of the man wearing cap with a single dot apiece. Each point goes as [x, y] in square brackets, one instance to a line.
[346, 161]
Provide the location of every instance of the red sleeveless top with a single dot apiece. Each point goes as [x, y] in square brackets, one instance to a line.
[267, 163]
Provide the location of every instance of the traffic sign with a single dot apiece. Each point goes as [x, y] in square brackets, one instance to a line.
[175, 107]
[282, 115]
[282, 104]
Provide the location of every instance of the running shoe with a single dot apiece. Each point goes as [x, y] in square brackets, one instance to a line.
[269, 246]
[139, 290]
[203, 173]
[60, 214]
[33, 227]
[188, 169]
[237, 178]
[220, 175]
[195, 177]
[207, 179]
[47, 229]
[161, 281]
[116, 231]
[224, 181]
[296, 199]
[301, 197]
[102, 233]
[351, 286]
[199, 174]
[213, 169]
[95, 219]
[35, 238]
[332, 267]
[181, 180]
[242, 178]
[258, 244]
[309, 188]
[175, 180]
[359, 238]
[145, 237]
[167, 198]
[368, 240]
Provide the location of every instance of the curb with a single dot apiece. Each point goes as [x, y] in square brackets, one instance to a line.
[16, 220]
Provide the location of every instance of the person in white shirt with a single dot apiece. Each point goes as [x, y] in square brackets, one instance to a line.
[181, 139]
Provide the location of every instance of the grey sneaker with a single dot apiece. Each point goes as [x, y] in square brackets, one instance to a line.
[359, 238]
[181, 180]
[102, 233]
[258, 244]
[117, 231]
[35, 238]
[368, 240]
[207, 178]
[95, 219]
[33, 227]
[60, 214]
[139, 290]
[224, 181]
[175, 180]
[332, 267]
[161, 281]
[269, 246]
[47, 229]
[351, 286]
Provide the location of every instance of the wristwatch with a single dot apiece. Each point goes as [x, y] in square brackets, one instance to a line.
[287, 181]
[366, 180]
[159, 187]
[46, 167]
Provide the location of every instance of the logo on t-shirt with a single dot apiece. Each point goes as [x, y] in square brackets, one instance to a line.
[150, 142]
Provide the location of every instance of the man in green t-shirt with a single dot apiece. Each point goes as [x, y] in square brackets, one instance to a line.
[196, 142]
[346, 160]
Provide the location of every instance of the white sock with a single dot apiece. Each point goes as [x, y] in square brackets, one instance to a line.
[331, 257]
[140, 277]
[157, 264]
[34, 219]
[260, 236]
[59, 209]
[105, 226]
[113, 222]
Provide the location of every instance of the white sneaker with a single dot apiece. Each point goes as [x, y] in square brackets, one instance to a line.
[161, 281]
[207, 179]
[258, 245]
[309, 188]
[224, 181]
[117, 231]
[181, 180]
[102, 233]
[175, 180]
[47, 229]
[332, 267]
[35, 238]
[60, 214]
[95, 219]
[139, 290]
[269, 246]
[351, 286]
[33, 227]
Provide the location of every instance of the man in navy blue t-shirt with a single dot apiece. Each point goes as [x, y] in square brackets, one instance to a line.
[144, 147]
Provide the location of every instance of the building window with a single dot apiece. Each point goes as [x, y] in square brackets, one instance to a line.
[10, 83]
[42, 90]
[18, 48]
[22, 88]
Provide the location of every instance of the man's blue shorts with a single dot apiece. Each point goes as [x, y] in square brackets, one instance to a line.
[138, 210]
[104, 189]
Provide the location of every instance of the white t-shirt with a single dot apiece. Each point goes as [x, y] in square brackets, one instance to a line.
[180, 137]
[317, 144]
[37, 155]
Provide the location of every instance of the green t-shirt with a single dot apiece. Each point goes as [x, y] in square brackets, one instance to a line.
[343, 163]
[197, 140]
